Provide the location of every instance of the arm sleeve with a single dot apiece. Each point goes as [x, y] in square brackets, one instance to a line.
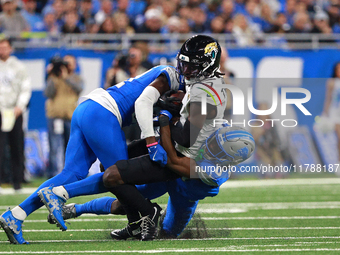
[76, 83]
[144, 110]
[26, 90]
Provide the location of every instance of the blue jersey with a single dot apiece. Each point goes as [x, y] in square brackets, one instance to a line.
[126, 93]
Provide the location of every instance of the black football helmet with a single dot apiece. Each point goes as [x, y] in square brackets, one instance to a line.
[199, 57]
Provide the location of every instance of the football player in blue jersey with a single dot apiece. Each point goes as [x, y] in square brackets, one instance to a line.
[96, 125]
[198, 61]
[200, 56]
[226, 146]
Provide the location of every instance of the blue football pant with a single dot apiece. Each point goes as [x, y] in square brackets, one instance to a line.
[178, 213]
[95, 133]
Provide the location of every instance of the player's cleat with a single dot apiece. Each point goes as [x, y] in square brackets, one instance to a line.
[149, 224]
[131, 230]
[68, 212]
[12, 227]
[54, 205]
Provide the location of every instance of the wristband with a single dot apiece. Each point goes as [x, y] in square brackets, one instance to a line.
[151, 144]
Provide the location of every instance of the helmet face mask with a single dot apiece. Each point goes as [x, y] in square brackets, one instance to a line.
[199, 57]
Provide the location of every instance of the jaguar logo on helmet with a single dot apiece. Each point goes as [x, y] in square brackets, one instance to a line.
[211, 49]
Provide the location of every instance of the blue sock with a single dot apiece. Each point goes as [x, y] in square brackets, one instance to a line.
[33, 203]
[89, 186]
[97, 206]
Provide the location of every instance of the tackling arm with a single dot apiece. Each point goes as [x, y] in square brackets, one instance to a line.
[180, 165]
[144, 106]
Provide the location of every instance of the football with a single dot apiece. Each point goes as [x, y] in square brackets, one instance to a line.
[179, 94]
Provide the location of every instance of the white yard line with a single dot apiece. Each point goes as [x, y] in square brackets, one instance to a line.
[279, 182]
[244, 207]
[272, 218]
[81, 219]
[228, 184]
[225, 207]
[171, 250]
[198, 239]
[217, 229]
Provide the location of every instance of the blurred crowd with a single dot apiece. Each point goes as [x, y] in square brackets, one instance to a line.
[237, 17]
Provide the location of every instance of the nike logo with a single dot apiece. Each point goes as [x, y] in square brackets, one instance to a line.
[154, 213]
[154, 156]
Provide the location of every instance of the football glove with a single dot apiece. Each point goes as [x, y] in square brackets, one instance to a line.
[157, 153]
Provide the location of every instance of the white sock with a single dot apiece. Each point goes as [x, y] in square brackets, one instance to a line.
[19, 213]
[60, 191]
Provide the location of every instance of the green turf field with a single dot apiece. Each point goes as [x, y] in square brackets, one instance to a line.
[294, 216]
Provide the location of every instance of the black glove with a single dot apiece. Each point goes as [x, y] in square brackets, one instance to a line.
[171, 104]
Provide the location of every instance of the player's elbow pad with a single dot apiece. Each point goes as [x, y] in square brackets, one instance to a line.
[185, 136]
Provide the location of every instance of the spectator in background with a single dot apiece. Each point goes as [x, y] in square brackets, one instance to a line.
[122, 23]
[301, 7]
[32, 18]
[213, 9]
[199, 18]
[243, 34]
[153, 22]
[290, 11]
[217, 25]
[332, 102]
[301, 24]
[185, 12]
[71, 5]
[104, 12]
[143, 46]
[227, 9]
[184, 28]
[70, 25]
[228, 26]
[15, 94]
[280, 24]
[107, 27]
[173, 25]
[62, 92]
[59, 11]
[168, 8]
[321, 23]
[50, 23]
[239, 6]
[122, 6]
[125, 67]
[266, 20]
[333, 13]
[252, 11]
[86, 13]
[11, 21]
